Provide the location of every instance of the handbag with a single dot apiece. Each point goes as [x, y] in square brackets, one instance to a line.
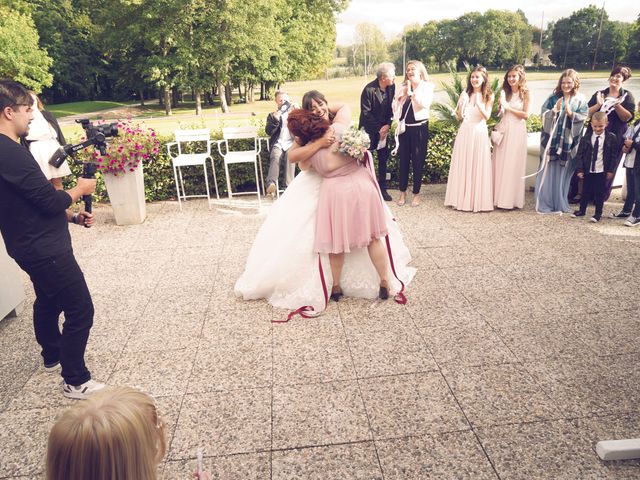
[402, 127]
[496, 137]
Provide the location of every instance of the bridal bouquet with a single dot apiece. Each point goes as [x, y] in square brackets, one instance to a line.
[355, 142]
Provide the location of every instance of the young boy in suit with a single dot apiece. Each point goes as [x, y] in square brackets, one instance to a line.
[596, 164]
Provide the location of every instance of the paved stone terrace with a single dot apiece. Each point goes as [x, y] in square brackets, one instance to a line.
[518, 350]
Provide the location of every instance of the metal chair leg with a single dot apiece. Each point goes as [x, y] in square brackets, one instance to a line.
[175, 177]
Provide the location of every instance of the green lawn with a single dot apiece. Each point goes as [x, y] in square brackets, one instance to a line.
[77, 108]
[344, 90]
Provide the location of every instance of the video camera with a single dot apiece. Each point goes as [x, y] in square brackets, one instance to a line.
[285, 106]
[96, 135]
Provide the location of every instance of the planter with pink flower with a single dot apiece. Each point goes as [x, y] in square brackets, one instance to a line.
[122, 170]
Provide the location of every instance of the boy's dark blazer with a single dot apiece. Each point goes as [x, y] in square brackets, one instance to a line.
[610, 153]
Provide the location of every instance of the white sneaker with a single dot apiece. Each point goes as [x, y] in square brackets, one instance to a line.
[81, 391]
[52, 367]
[632, 222]
[271, 190]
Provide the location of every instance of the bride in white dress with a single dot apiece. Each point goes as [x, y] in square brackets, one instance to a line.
[283, 268]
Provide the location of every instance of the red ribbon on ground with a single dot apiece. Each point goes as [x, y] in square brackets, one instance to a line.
[308, 311]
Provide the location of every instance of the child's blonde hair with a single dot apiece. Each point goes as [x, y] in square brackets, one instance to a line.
[116, 434]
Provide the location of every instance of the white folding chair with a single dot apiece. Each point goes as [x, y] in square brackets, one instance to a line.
[231, 156]
[197, 158]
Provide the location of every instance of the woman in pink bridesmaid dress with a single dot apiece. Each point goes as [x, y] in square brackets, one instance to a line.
[470, 183]
[510, 156]
[350, 211]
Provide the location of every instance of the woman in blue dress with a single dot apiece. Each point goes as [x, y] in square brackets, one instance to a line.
[563, 116]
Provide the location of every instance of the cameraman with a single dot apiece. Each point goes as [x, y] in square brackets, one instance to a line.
[34, 224]
[280, 141]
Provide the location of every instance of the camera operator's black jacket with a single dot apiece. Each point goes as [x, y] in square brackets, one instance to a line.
[33, 218]
[272, 128]
[375, 110]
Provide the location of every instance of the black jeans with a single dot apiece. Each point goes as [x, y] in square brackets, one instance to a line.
[636, 184]
[631, 190]
[594, 189]
[413, 151]
[60, 287]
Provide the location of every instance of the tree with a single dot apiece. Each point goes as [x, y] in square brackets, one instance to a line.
[633, 55]
[21, 57]
[575, 37]
[372, 47]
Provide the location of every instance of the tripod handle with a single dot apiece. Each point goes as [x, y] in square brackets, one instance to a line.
[88, 171]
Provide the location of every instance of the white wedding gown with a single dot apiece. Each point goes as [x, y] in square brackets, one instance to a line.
[283, 268]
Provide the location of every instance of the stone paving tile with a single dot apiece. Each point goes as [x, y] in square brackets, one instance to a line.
[223, 423]
[609, 332]
[456, 455]
[23, 440]
[311, 352]
[532, 339]
[238, 363]
[159, 332]
[389, 353]
[613, 427]
[318, 414]
[499, 394]
[545, 450]
[416, 404]
[159, 373]
[588, 386]
[472, 343]
[356, 461]
[249, 466]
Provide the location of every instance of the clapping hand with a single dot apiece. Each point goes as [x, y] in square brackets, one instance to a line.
[599, 98]
[558, 106]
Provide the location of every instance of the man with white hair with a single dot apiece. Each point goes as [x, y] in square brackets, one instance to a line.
[376, 115]
[280, 141]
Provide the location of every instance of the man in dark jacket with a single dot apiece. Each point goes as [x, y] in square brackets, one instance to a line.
[280, 141]
[34, 225]
[376, 116]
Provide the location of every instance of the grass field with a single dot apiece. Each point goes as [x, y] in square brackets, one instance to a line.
[343, 90]
[77, 108]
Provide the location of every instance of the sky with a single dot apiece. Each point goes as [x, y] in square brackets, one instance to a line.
[392, 15]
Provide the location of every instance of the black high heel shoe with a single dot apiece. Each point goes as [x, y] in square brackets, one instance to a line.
[383, 294]
[336, 294]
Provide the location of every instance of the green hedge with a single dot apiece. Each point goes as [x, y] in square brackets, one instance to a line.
[160, 185]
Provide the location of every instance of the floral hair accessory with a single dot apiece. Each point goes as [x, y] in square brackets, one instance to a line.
[355, 143]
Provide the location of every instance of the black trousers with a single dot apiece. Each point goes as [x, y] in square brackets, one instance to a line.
[594, 188]
[60, 287]
[413, 152]
[382, 156]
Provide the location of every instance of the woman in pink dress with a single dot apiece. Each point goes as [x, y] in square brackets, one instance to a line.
[470, 186]
[350, 211]
[510, 156]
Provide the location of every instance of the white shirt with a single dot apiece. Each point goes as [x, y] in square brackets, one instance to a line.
[284, 140]
[630, 158]
[599, 161]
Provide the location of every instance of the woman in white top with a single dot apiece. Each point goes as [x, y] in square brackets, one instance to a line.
[44, 139]
[411, 107]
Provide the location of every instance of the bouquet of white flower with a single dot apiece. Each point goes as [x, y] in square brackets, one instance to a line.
[355, 142]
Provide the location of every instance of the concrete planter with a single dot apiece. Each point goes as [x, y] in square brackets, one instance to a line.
[11, 288]
[126, 194]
